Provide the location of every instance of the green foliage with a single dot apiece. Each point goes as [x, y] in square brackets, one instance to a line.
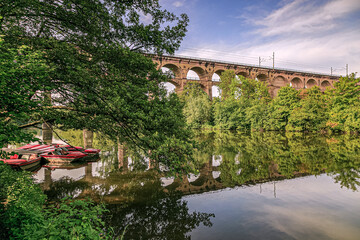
[21, 202]
[311, 115]
[197, 106]
[228, 114]
[24, 214]
[229, 84]
[244, 106]
[71, 220]
[345, 104]
[264, 156]
[253, 90]
[281, 107]
[22, 73]
[96, 71]
[174, 153]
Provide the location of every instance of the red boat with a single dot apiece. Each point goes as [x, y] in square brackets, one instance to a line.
[62, 154]
[90, 151]
[48, 148]
[25, 160]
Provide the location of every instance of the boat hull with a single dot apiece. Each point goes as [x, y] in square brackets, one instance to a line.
[28, 165]
[55, 158]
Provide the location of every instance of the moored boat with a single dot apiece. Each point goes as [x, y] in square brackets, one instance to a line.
[62, 154]
[52, 147]
[90, 151]
[25, 160]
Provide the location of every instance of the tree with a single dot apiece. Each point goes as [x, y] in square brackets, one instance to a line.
[99, 78]
[281, 107]
[229, 85]
[344, 112]
[22, 73]
[197, 105]
[312, 113]
[243, 103]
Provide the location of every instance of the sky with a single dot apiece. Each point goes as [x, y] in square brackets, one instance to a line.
[306, 35]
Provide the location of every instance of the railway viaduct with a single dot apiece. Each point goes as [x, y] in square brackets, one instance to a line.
[205, 69]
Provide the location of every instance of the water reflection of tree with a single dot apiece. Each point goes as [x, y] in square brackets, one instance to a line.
[164, 218]
[345, 150]
[258, 157]
[64, 187]
[246, 159]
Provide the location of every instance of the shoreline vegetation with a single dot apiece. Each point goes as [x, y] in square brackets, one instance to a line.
[245, 105]
[26, 214]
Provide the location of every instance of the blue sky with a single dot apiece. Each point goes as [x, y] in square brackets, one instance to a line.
[305, 35]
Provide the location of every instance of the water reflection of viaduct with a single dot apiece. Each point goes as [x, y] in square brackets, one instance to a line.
[205, 181]
[208, 179]
[205, 69]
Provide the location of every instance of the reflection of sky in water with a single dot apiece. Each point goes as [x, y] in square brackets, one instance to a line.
[165, 181]
[193, 177]
[39, 176]
[304, 208]
[74, 174]
[216, 160]
[96, 168]
[216, 174]
[57, 174]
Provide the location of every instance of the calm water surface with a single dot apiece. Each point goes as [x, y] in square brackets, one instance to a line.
[257, 186]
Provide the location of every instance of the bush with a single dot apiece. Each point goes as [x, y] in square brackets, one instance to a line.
[24, 214]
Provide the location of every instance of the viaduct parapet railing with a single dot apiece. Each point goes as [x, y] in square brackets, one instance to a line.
[205, 69]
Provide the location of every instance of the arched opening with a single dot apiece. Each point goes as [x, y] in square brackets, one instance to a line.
[215, 91]
[262, 77]
[279, 81]
[244, 74]
[174, 69]
[310, 83]
[192, 75]
[296, 83]
[325, 84]
[168, 72]
[170, 87]
[216, 76]
[195, 73]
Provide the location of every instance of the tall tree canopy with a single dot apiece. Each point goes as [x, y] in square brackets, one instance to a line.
[95, 68]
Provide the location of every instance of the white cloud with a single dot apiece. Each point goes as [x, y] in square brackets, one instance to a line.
[303, 35]
[178, 3]
[304, 16]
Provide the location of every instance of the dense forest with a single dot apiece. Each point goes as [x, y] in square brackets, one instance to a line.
[245, 105]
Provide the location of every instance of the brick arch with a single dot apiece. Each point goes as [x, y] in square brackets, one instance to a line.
[310, 83]
[296, 83]
[324, 84]
[242, 73]
[199, 71]
[262, 77]
[218, 72]
[279, 81]
[174, 68]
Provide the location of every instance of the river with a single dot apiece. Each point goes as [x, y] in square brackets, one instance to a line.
[247, 186]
